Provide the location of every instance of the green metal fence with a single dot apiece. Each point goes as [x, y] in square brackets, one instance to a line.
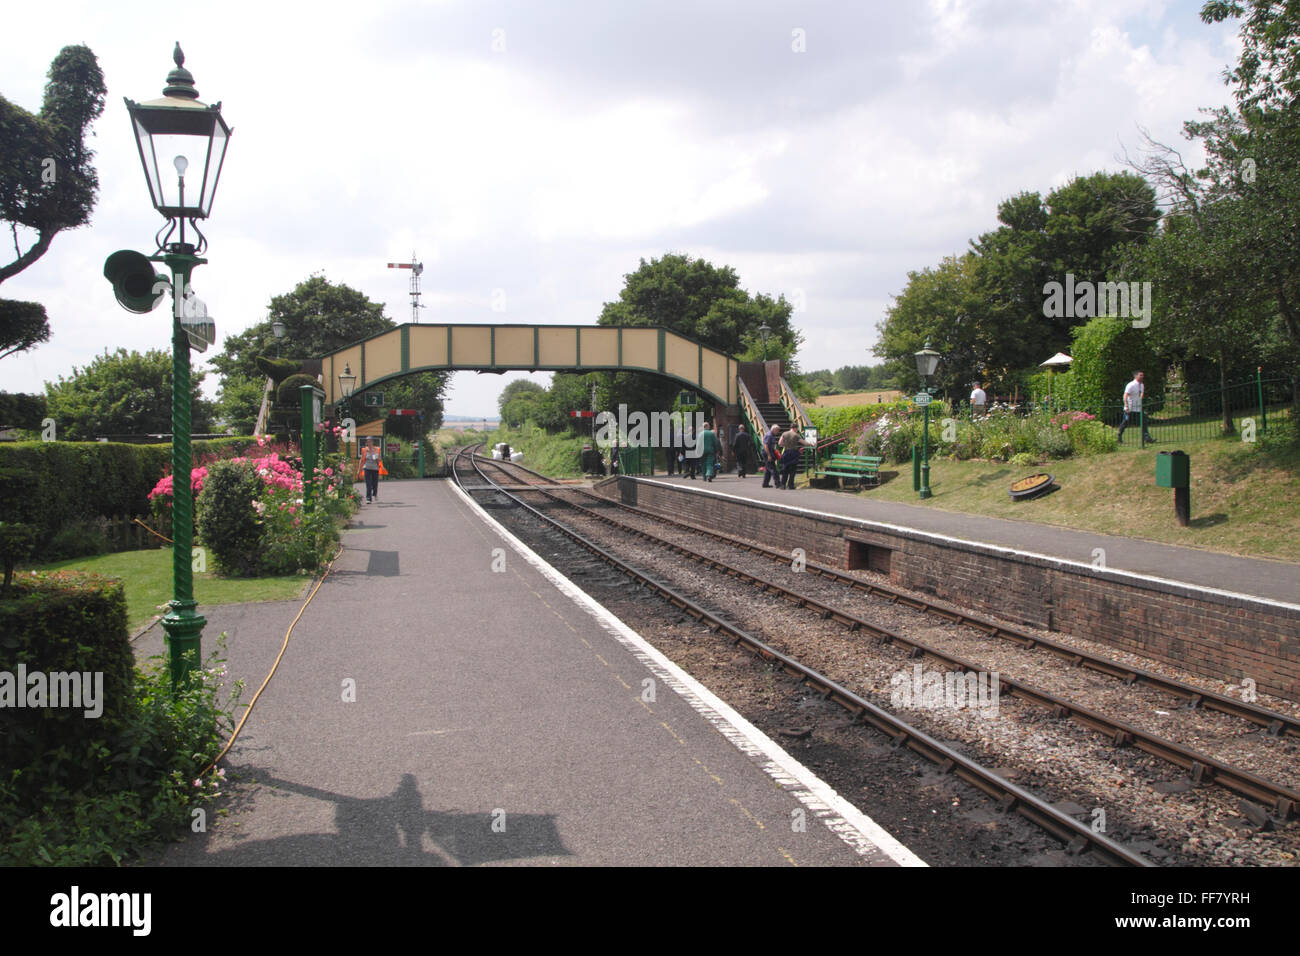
[1199, 411]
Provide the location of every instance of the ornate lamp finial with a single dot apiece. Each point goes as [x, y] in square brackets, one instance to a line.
[180, 81]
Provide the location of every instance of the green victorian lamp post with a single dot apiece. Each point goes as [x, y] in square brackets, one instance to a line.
[765, 330]
[347, 385]
[182, 144]
[927, 360]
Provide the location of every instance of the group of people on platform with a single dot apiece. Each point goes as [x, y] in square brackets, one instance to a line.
[779, 456]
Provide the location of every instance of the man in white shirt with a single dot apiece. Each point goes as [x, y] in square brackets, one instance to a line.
[1133, 393]
[978, 400]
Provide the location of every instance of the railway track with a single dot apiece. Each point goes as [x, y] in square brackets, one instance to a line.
[1272, 722]
[1200, 767]
[1077, 836]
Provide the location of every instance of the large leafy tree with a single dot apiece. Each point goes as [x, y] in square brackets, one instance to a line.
[319, 316]
[1226, 267]
[1081, 229]
[697, 299]
[119, 394]
[984, 311]
[1255, 157]
[47, 182]
[939, 306]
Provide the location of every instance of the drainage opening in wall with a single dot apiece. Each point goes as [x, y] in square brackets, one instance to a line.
[870, 557]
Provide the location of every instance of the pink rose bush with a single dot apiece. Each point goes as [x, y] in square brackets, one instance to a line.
[262, 522]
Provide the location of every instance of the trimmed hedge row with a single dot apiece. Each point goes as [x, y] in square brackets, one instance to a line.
[63, 623]
[53, 484]
[842, 418]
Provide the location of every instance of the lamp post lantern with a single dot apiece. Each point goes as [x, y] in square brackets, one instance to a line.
[927, 360]
[179, 139]
[765, 330]
[347, 385]
[278, 330]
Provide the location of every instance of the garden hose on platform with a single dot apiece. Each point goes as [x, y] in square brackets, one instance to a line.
[283, 647]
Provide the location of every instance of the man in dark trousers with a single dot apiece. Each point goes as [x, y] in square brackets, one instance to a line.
[770, 454]
[790, 447]
[744, 447]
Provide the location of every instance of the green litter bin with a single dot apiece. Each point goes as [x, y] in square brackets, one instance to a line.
[1173, 469]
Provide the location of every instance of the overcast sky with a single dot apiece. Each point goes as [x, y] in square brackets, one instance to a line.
[542, 148]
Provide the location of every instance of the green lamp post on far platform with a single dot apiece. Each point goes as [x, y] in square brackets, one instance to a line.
[182, 144]
[927, 361]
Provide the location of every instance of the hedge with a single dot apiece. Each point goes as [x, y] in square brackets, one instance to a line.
[53, 484]
[70, 623]
[842, 418]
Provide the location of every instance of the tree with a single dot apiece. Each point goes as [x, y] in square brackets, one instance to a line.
[1226, 268]
[939, 306]
[319, 317]
[22, 326]
[119, 394]
[699, 300]
[1107, 350]
[1082, 229]
[520, 386]
[47, 182]
[422, 391]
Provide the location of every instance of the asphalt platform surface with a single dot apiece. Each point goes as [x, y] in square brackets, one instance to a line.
[1273, 580]
[495, 722]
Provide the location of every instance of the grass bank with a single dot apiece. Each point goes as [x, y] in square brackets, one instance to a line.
[558, 456]
[147, 576]
[1243, 500]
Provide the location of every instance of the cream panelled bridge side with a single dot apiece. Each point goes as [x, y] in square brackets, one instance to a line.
[539, 348]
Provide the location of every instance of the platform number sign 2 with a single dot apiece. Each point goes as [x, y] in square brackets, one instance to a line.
[374, 399]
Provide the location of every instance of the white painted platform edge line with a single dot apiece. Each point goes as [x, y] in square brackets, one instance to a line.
[1189, 585]
[821, 798]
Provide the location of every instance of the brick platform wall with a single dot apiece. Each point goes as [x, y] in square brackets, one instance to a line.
[1214, 635]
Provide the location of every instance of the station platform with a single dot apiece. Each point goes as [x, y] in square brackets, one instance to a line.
[1262, 578]
[430, 710]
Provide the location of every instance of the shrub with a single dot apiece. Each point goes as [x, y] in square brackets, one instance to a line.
[64, 622]
[228, 523]
[848, 418]
[142, 777]
[17, 542]
[1051, 442]
[1106, 352]
[286, 393]
[78, 539]
[1024, 460]
[1092, 438]
[84, 480]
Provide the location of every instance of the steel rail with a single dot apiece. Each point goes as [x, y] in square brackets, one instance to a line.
[1274, 722]
[1077, 836]
[1201, 767]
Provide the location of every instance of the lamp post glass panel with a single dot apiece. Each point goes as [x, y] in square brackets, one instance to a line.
[765, 330]
[182, 144]
[278, 330]
[927, 361]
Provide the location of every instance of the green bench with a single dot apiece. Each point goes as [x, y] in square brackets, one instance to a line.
[861, 467]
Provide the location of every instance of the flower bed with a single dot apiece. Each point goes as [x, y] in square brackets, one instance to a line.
[1000, 434]
[255, 521]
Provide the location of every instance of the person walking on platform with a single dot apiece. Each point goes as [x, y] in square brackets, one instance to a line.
[771, 454]
[709, 447]
[790, 444]
[370, 468]
[745, 459]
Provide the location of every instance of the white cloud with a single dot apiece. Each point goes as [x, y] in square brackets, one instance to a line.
[605, 133]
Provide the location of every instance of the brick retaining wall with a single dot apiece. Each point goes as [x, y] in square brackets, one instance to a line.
[1213, 634]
